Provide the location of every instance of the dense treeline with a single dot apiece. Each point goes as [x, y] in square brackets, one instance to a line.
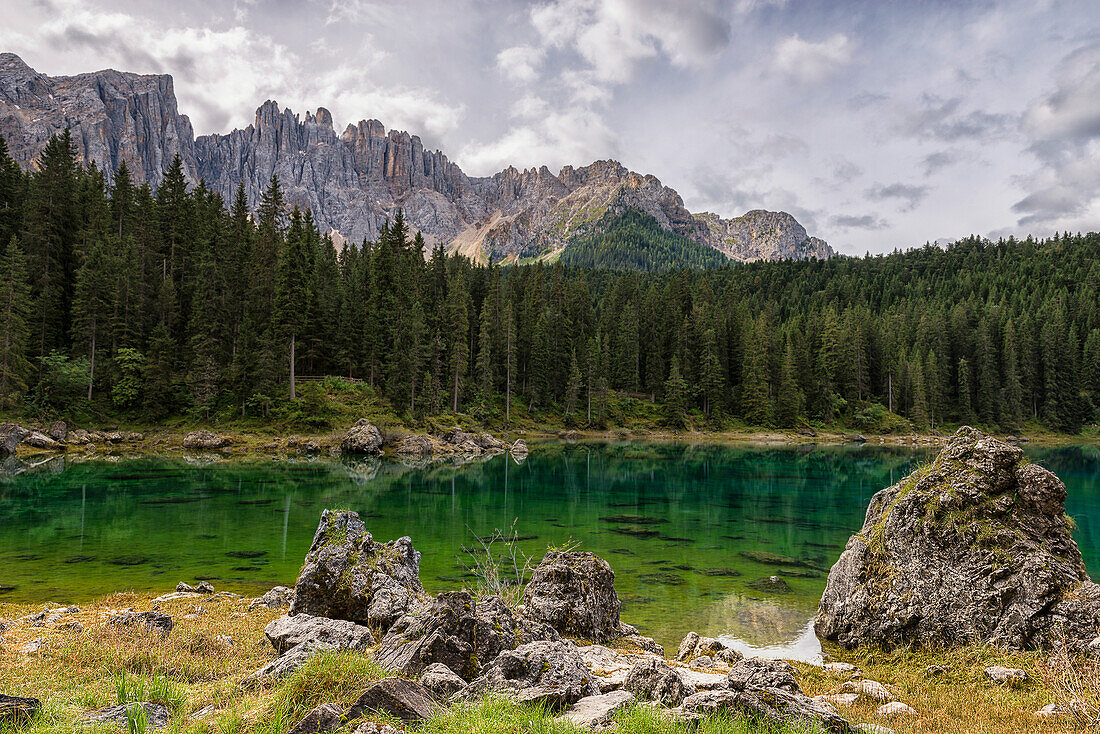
[635, 241]
[169, 302]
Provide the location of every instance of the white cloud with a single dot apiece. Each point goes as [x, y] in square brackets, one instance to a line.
[520, 63]
[574, 136]
[809, 62]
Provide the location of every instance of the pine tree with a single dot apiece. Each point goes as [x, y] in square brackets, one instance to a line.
[966, 413]
[675, 395]
[572, 390]
[458, 326]
[1011, 414]
[713, 381]
[12, 194]
[292, 290]
[756, 399]
[788, 399]
[484, 365]
[93, 302]
[14, 326]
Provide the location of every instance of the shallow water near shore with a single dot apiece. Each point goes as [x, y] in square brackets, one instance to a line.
[689, 529]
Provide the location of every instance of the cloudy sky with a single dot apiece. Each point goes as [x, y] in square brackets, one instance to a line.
[879, 124]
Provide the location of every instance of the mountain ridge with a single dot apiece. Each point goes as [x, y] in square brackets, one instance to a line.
[355, 180]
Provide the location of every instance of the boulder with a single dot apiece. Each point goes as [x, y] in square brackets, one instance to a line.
[363, 438]
[549, 673]
[10, 436]
[59, 431]
[441, 681]
[373, 727]
[973, 548]
[339, 634]
[156, 715]
[519, 448]
[204, 587]
[458, 632]
[843, 670]
[277, 598]
[654, 680]
[287, 663]
[574, 592]
[415, 445]
[326, 718]
[489, 443]
[17, 711]
[347, 575]
[645, 644]
[757, 673]
[778, 707]
[39, 440]
[153, 621]
[694, 646]
[597, 712]
[405, 699]
[201, 440]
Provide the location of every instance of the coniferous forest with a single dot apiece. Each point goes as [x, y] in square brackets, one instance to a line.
[118, 300]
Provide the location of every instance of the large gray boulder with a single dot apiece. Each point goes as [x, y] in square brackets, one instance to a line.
[655, 680]
[156, 715]
[347, 575]
[328, 717]
[286, 632]
[10, 436]
[549, 673]
[363, 438]
[973, 548]
[574, 592]
[456, 631]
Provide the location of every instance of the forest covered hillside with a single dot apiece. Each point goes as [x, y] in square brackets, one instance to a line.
[117, 300]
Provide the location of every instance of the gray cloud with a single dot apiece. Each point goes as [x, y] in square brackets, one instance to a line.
[860, 221]
[945, 119]
[935, 162]
[910, 196]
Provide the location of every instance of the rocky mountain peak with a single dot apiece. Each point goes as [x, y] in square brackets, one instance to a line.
[355, 181]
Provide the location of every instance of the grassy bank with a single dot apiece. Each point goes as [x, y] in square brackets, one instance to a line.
[197, 673]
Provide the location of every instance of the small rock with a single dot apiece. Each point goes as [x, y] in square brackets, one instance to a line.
[846, 670]
[16, 711]
[551, 673]
[894, 709]
[33, 647]
[519, 448]
[935, 671]
[328, 717]
[654, 680]
[645, 644]
[41, 441]
[873, 729]
[287, 663]
[1011, 677]
[152, 621]
[73, 626]
[867, 689]
[441, 681]
[277, 598]
[59, 431]
[405, 699]
[373, 727]
[156, 716]
[597, 712]
[1052, 710]
[838, 699]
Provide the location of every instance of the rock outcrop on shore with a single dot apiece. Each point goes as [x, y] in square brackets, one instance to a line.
[348, 575]
[574, 592]
[974, 548]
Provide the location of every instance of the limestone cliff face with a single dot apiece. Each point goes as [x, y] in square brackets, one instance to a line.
[113, 117]
[355, 180]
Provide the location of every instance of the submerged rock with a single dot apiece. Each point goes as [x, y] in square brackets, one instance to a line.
[574, 592]
[974, 548]
[347, 575]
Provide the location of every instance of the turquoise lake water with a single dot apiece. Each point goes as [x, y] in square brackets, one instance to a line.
[683, 525]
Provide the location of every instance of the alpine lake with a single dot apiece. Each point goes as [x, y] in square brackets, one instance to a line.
[690, 529]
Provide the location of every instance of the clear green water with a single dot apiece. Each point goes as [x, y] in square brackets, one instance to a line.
[78, 530]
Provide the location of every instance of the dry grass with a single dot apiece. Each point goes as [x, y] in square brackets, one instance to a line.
[199, 677]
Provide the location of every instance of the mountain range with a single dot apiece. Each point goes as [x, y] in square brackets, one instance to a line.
[355, 180]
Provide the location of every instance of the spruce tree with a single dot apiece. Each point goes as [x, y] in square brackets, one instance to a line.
[93, 303]
[292, 292]
[14, 326]
[675, 396]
